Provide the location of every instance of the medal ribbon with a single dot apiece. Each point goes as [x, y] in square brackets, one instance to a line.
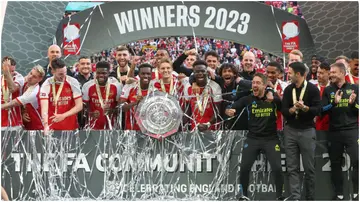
[99, 93]
[276, 85]
[156, 74]
[202, 103]
[56, 95]
[140, 90]
[351, 78]
[171, 91]
[301, 93]
[5, 90]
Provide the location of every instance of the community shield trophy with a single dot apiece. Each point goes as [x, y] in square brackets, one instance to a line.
[159, 115]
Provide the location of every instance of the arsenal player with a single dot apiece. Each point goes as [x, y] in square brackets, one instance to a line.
[100, 96]
[122, 71]
[353, 76]
[133, 93]
[273, 70]
[168, 83]
[30, 99]
[323, 74]
[204, 105]
[11, 85]
[61, 100]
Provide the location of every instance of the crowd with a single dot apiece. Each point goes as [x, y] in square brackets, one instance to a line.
[290, 6]
[213, 95]
[229, 52]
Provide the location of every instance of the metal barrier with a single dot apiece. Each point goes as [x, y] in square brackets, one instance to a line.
[124, 165]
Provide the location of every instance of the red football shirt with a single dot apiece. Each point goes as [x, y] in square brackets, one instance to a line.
[354, 80]
[31, 100]
[280, 87]
[214, 98]
[15, 112]
[129, 94]
[70, 92]
[322, 122]
[91, 97]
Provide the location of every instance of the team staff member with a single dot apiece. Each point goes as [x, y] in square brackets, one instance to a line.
[60, 98]
[262, 133]
[54, 52]
[341, 101]
[30, 99]
[85, 74]
[101, 96]
[248, 64]
[294, 56]
[300, 105]
[323, 75]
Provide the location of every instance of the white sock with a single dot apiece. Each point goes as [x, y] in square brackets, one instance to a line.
[355, 195]
[340, 196]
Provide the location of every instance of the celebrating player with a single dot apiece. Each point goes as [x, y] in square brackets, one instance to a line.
[101, 96]
[133, 93]
[61, 100]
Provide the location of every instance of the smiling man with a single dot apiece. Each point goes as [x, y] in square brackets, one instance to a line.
[11, 84]
[300, 105]
[54, 52]
[30, 100]
[353, 76]
[203, 106]
[85, 74]
[273, 70]
[248, 64]
[61, 100]
[262, 133]
[168, 83]
[101, 96]
[122, 71]
[133, 93]
[340, 101]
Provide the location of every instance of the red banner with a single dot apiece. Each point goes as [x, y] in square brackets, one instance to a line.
[71, 39]
[290, 36]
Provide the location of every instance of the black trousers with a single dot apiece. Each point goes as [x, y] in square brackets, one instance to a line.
[252, 148]
[339, 140]
[300, 141]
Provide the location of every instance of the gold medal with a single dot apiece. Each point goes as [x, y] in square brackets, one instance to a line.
[56, 95]
[171, 91]
[107, 90]
[202, 103]
[302, 93]
[5, 91]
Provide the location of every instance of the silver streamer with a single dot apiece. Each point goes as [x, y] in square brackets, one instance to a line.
[122, 165]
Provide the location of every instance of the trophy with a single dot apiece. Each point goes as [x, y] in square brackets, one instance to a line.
[159, 115]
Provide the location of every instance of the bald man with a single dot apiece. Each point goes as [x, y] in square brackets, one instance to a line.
[248, 65]
[54, 52]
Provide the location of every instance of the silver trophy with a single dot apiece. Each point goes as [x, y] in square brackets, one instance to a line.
[159, 115]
